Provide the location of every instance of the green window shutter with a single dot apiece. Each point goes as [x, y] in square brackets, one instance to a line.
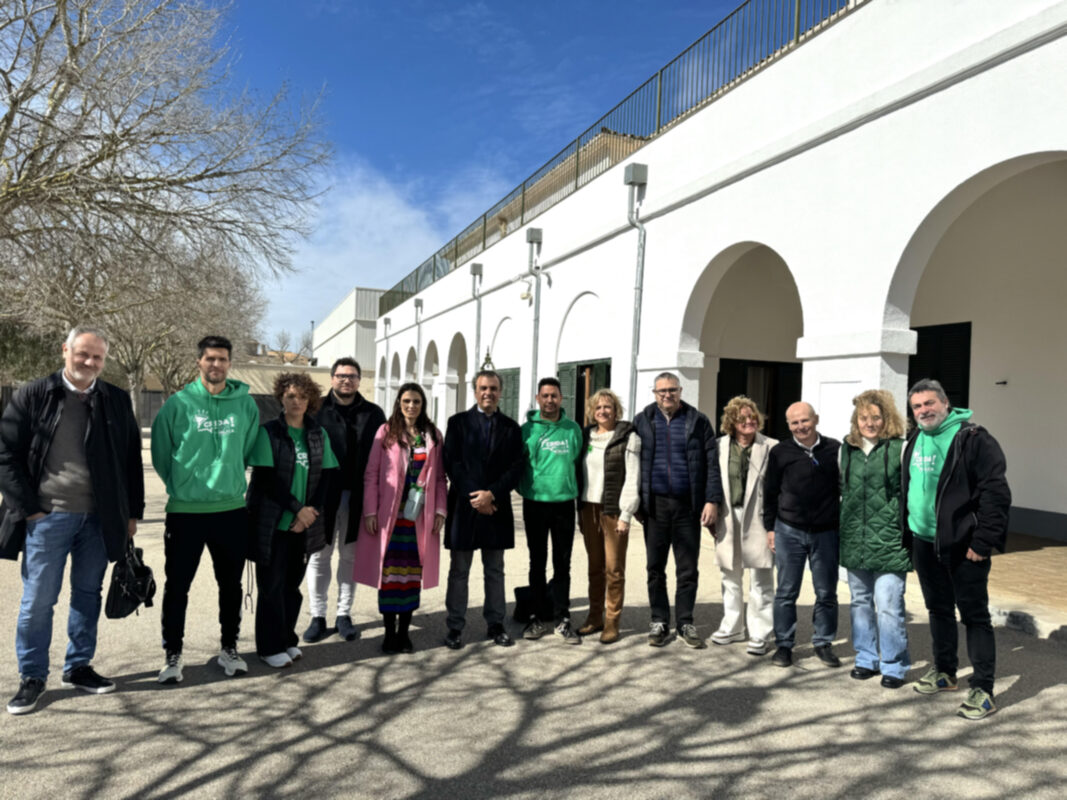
[568, 380]
[509, 401]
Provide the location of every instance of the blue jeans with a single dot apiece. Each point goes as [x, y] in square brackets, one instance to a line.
[48, 542]
[879, 626]
[792, 549]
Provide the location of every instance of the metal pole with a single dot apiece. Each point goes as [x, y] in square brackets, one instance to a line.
[639, 282]
[533, 236]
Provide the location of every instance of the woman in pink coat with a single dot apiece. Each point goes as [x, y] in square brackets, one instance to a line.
[400, 547]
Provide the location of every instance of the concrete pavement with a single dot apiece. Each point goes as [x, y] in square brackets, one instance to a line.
[538, 719]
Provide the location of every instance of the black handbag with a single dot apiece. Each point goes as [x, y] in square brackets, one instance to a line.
[132, 583]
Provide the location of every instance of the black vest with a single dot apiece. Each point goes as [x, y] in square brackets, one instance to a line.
[614, 464]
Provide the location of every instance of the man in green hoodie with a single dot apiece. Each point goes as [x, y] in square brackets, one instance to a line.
[549, 487]
[955, 514]
[201, 441]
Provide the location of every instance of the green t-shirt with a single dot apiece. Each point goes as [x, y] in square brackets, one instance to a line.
[263, 457]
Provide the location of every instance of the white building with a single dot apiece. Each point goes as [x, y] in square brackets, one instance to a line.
[349, 330]
[828, 205]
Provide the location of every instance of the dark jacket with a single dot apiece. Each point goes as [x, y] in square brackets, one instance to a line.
[801, 490]
[973, 499]
[364, 418]
[870, 508]
[614, 466]
[702, 458]
[112, 450]
[470, 467]
[270, 492]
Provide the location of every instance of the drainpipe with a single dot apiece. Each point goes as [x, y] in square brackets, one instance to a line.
[388, 323]
[636, 177]
[418, 340]
[476, 285]
[533, 237]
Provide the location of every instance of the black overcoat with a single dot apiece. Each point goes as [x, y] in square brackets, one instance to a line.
[472, 467]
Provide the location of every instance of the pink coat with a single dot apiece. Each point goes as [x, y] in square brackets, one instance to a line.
[383, 486]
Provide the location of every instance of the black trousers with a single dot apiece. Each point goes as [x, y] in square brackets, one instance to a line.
[225, 534]
[961, 584]
[541, 521]
[672, 524]
[279, 599]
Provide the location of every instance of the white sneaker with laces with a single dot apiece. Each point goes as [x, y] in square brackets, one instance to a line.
[756, 647]
[725, 637]
[231, 663]
[172, 670]
[278, 660]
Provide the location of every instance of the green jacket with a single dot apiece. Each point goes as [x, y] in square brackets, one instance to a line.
[927, 460]
[553, 449]
[201, 444]
[870, 508]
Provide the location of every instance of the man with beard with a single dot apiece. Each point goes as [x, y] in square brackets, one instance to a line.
[201, 441]
[351, 422]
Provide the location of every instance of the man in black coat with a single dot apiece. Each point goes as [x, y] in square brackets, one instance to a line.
[801, 507]
[73, 484]
[680, 491]
[484, 461]
[955, 514]
[351, 422]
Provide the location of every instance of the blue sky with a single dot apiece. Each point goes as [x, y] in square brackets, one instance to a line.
[436, 110]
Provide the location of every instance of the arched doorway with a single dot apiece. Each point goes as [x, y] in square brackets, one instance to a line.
[456, 376]
[430, 379]
[745, 317]
[982, 283]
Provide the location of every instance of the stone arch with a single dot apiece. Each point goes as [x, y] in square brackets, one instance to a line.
[981, 282]
[577, 332]
[381, 383]
[457, 375]
[411, 365]
[739, 333]
[430, 364]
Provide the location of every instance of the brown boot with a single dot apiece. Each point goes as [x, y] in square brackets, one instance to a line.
[611, 632]
[590, 626]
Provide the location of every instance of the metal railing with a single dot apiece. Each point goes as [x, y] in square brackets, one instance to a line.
[752, 36]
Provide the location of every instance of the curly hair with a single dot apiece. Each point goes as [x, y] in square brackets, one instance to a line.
[596, 397]
[303, 383]
[731, 414]
[397, 424]
[884, 402]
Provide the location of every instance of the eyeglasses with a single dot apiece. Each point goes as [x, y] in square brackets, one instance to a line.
[346, 376]
[665, 392]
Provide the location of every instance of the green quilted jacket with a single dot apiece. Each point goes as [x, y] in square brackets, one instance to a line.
[870, 508]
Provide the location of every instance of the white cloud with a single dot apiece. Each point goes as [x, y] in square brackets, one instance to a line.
[372, 231]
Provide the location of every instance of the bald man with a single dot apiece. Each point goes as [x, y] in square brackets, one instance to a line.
[800, 513]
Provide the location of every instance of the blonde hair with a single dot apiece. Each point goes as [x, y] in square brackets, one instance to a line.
[596, 397]
[893, 427]
[731, 414]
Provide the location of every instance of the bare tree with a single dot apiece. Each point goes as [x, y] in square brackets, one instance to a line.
[307, 343]
[283, 340]
[117, 113]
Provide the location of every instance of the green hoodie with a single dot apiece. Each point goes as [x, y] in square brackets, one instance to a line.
[552, 449]
[200, 446]
[927, 460]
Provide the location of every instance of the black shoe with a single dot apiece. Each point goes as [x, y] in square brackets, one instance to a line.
[499, 636]
[535, 629]
[345, 629]
[892, 683]
[783, 657]
[826, 655]
[566, 632]
[403, 643]
[25, 699]
[317, 630]
[390, 642]
[688, 634]
[658, 635]
[454, 639]
[862, 673]
[86, 679]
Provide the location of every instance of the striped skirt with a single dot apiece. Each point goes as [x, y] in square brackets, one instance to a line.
[401, 571]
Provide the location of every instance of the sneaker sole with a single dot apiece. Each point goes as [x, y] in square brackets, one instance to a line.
[232, 671]
[695, 645]
[657, 643]
[936, 689]
[89, 689]
[169, 681]
[974, 717]
[16, 710]
[728, 640]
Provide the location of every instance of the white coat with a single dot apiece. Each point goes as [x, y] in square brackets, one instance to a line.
[740, 538]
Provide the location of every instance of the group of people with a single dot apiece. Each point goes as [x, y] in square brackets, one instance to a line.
[333, 473]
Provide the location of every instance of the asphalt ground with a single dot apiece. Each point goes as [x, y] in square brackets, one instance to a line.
[540, 719]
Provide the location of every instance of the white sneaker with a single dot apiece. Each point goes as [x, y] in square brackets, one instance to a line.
[725, 637]
[294, 653]
[231, 663]
[756, 647]
[172, 670]
[278, 660]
